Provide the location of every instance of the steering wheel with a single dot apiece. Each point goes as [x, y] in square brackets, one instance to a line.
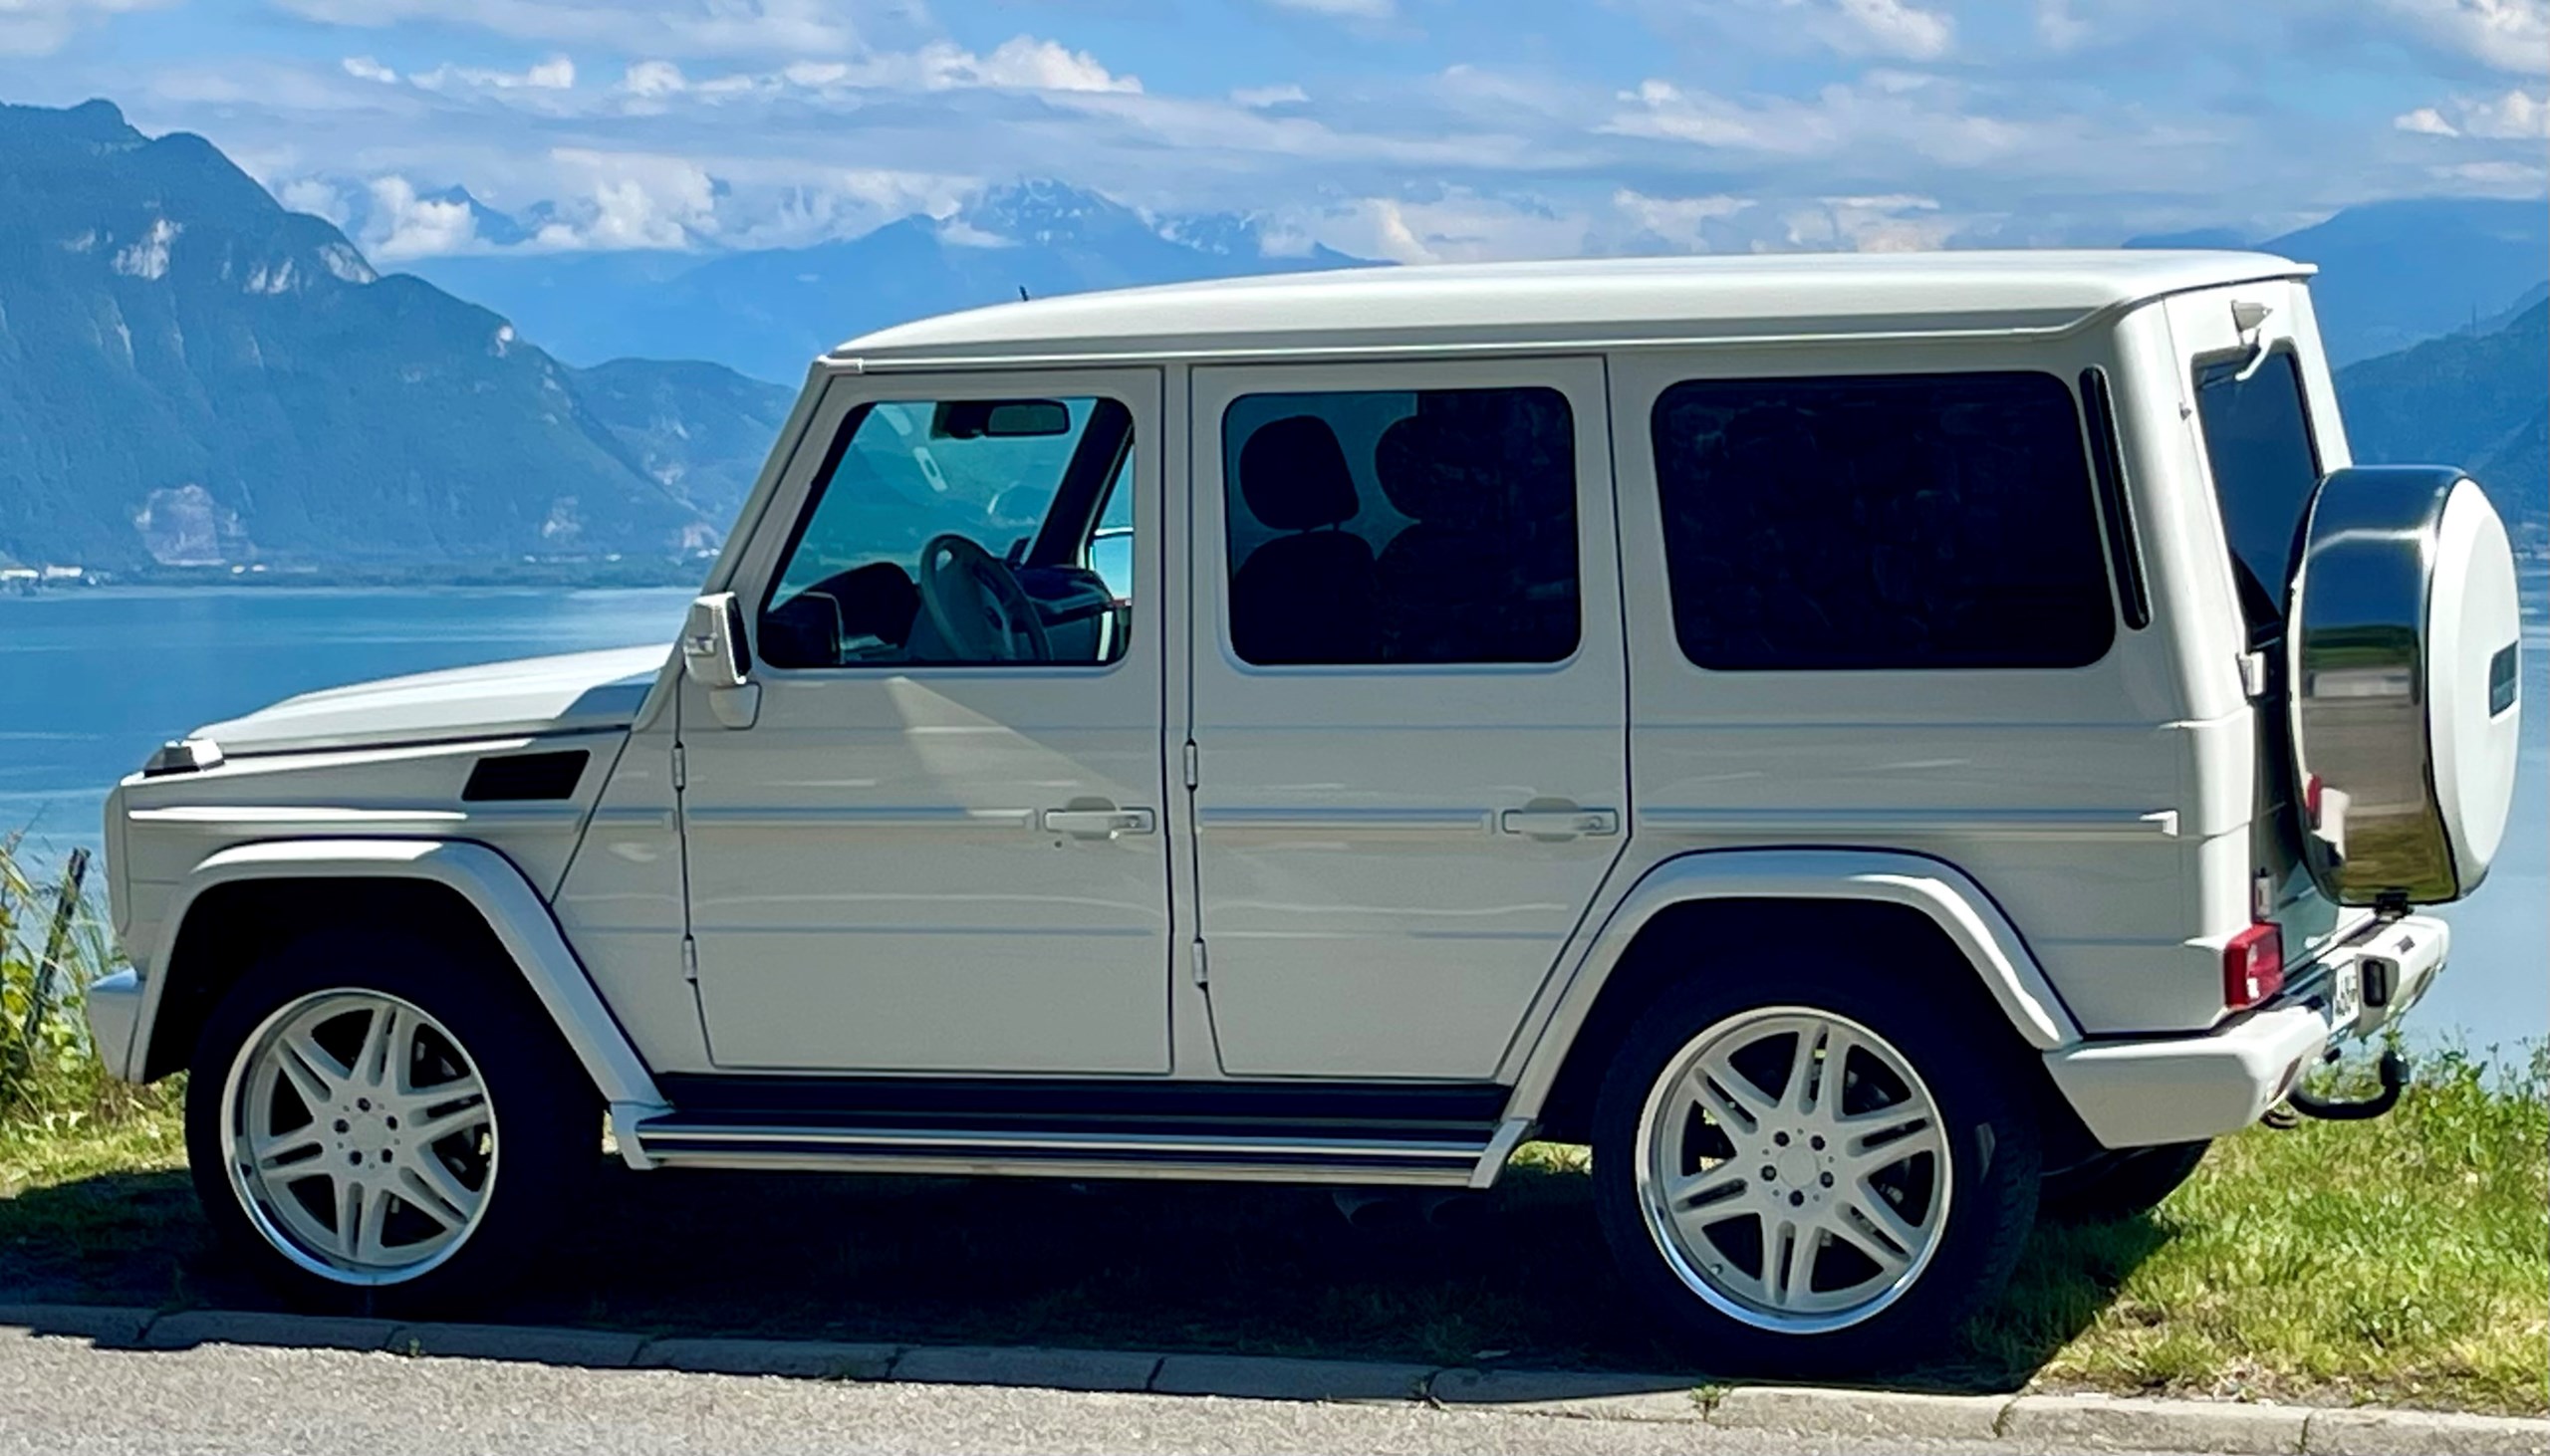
[976, 605]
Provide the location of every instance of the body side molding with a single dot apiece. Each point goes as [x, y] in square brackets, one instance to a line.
[1970, 918]
[492, 886]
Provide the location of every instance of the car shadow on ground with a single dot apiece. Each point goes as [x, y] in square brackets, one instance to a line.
[1516, 1278]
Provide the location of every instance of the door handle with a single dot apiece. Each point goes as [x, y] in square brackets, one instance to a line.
[1095, 823]
[1559, 823]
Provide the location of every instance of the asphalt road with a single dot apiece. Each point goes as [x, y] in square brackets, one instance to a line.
[59, 1396]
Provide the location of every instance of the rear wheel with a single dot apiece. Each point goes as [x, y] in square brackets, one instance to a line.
[385, 1124]
[1818, 1178]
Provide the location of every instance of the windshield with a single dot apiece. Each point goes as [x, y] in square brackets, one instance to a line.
[2265, 468]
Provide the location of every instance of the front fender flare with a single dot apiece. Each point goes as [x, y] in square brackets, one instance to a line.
[492, 887]
[1937, 888]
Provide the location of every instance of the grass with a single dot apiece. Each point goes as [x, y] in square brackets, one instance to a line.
[2401, 1261]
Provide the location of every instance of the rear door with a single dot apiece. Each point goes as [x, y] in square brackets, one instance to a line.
[1407, 704]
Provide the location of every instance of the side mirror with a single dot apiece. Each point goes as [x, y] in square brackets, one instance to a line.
[718, 655]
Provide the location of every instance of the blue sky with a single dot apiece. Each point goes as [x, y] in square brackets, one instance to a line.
[1411, 130]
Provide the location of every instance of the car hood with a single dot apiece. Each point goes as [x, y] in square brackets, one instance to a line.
[575, 692]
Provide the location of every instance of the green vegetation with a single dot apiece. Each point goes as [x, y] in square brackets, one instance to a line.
[2403, 1261]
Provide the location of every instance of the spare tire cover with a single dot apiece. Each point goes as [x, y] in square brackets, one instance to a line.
[2402, 639]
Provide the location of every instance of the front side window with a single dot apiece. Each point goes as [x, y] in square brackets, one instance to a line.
[2257, 438]
[1892, 520]
[962, 533]
[1402, 527]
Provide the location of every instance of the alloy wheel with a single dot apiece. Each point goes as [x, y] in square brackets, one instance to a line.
[1794, 1169]
[359, 1136]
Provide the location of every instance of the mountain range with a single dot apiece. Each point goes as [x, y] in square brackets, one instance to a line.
[192, 375]
[2397, 272]
[768, 313]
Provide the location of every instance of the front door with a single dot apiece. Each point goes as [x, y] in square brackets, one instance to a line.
[1408, 704]
[936, 846]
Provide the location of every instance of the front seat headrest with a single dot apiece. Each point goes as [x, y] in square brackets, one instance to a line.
[1293, 474]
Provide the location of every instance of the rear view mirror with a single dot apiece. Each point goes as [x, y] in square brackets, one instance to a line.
[718, 655]
[1000, 419]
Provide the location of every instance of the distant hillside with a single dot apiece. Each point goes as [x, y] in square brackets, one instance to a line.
[2393, 273]
[2479, 400]
[192, 373]
[770, 313]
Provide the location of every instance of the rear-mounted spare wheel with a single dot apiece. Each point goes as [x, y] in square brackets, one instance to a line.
[2403, 638]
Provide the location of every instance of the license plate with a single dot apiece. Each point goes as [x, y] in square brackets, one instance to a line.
[2345, 999]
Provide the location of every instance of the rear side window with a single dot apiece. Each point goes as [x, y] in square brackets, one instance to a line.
[1894, 521]
[2265, 468]
[1402, 527]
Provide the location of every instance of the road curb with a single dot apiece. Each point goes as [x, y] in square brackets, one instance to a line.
[2022, 1422]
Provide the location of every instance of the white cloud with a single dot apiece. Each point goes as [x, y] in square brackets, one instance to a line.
[2516, 116]
[1894, 28]
[652, 79]
[2057, 26]
[316, 196]
[1684, 224]
[42, 27]
[1027, 64]
[402, 225]
[557, 73]
[364, 67]
[663, 27]
[2505, 35]
[633, 200]
[1259, 97]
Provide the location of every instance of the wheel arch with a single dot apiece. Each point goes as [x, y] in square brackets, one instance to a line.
[1735, 902]
[240, 901]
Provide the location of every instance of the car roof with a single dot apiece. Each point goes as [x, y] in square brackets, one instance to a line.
[1581, 302]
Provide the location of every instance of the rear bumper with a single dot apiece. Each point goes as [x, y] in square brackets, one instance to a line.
[2139, 1093]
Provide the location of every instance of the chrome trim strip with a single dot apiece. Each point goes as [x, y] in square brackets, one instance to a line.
[1445, 1176]
[1998, 823]
[1491, 1160]
[267, 818]
[1350, 821]
[1344, 1150]
[916, 816]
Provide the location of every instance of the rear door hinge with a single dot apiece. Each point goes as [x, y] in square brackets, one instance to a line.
[1202, 976]
[1195, 766]
[690, 960]
[681, 769]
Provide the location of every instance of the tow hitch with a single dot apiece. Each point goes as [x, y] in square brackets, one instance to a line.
[2393, 1072]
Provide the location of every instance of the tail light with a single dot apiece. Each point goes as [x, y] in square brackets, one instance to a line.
[2252, 966]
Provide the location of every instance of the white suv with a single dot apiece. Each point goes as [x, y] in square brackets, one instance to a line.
[1861, 741]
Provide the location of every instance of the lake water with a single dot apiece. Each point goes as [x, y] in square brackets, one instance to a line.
[91, 681]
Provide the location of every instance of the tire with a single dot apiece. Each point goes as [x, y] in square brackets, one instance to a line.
[484, 1091]
[2114, 1186]
[1951, 1150]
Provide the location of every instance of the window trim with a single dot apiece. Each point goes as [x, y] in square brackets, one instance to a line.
[2116, 509]
[820, 483]
[1229, 569]
[2283, 348]
[1807, 671]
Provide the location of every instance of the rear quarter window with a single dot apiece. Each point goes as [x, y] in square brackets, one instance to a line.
[1881, 522]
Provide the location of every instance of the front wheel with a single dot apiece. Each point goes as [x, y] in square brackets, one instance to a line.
[384, 1126]
[1828, 1178]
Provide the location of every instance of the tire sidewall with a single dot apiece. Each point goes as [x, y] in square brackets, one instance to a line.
[1971, 1072]
[546, 1114]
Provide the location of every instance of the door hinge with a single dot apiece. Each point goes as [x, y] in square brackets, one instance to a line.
[1197, 965]
[1193, 764]
[690, 960]
[681, 777]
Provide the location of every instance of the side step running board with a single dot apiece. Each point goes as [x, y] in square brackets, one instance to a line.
[1459, 1156]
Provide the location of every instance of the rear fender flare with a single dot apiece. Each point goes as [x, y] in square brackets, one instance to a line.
[1967, 916]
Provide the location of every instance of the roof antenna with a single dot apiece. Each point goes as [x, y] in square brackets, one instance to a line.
[1022, 292]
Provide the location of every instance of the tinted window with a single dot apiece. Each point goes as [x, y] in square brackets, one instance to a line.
[2265, 468]
[961, 532]
[1436, 526]
[1886, 521]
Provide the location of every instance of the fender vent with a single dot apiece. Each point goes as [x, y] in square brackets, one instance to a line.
[525, 776]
